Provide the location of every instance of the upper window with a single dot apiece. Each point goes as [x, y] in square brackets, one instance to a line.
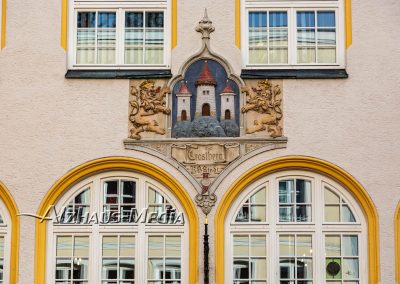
[303, 34]
[295, 227]
[118, 228]
[115, 35]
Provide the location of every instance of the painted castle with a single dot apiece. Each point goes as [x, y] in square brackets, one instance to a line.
[205, 122]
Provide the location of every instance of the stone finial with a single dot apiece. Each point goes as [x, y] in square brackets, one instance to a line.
[205, 26]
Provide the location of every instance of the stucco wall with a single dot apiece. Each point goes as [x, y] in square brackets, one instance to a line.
[49, 124]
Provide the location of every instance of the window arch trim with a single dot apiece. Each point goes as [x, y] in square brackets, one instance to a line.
[397, 242]
[13, 212]
[115, 163]
[304, 163]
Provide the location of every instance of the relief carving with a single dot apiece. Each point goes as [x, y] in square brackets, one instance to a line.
[264, 99]
[146, 101]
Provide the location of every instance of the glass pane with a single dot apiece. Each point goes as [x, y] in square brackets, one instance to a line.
[1, 246]
[258, 268]
[154, 197]
[133, 19]
[86, 19]
[85, 52]
[350, 268]
[306, 19]
[327, 36]
[258, 55]
[303, 191]
[81, 247]
[111, 192]
[331, 197]
[83, 197]
[333, 269]
[127, 269]
[110, 268]
[286, 191]
[258, 213]
[286, 245]
[128, 192]
[332, 245]
[326, 19]
[173, 246]
[133, 55]
[326, 55]
[155, 268]
[332, 213]
[154, 19]
[172, 268]
[127, 246]
[243, 214]
[63, 269]
[304, 269]
[257, 19]
[304, 246]
[240, 245]
[156, 246]
[303, 213]
[80, 268]
[64, 246]
[278, 19]
[258, 197]
[305, 37]
[241, 269]
[106, 46]
[286, 213]
[110, 246]
[106, 20]
[278, 37]
[305, 55]
[350, 246]
[347, 215]
[287, 268]
[258, 246]
[278, 55]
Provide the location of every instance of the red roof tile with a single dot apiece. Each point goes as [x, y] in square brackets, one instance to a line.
[206, 77]
[228, 89]
[184, 89]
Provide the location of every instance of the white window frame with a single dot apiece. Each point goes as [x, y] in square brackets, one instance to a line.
[318, 228]
[97, 231]
[120, 8]
[291, 7]
[5, 231]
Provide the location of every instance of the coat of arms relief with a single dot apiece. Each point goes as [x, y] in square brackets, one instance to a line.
[205, 118]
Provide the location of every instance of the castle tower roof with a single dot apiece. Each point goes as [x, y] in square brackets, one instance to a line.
[206, 77]
[184, 90]
[227, 89]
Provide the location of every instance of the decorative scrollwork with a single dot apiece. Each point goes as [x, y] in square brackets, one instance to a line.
[147, 100]
[266, 100]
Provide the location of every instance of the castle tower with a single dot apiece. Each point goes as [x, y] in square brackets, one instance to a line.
[227, 103]
[183, 103]
[205, 93]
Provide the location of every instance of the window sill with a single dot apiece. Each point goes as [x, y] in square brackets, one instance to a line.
[118, 74]
[294, 74]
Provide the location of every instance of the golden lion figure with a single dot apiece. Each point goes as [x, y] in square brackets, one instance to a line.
[146, 101]
[264, 100]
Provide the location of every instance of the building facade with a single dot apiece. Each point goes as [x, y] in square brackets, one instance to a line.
[183, 142]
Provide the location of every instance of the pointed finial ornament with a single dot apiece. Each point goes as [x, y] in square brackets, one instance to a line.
[205, 26]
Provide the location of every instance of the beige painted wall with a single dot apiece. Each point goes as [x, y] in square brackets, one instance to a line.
[49, 125]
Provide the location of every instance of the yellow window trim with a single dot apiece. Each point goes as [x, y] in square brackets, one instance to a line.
[304, 163]
[348, 23]
[64, 23]
[107, 164]
[3, 24]
[13, 211]
[397, 242]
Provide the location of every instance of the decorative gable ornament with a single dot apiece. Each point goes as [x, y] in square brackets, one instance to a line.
[205, 119]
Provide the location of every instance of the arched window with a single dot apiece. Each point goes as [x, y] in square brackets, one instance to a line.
[205, 110]
[295, 227]
[118, 227]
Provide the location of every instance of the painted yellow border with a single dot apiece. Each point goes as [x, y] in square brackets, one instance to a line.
[116, 163]
[348, 23]
[397, 242]
[310, 164]
[64, 23]
[3, 24]
[13, 211]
